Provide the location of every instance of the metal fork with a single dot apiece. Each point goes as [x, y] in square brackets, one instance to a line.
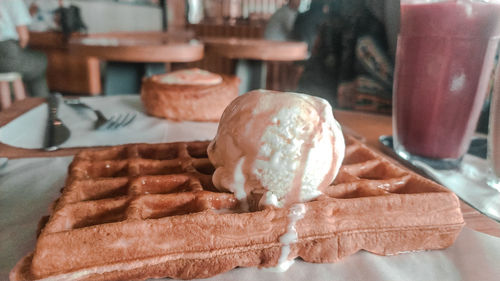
[102, 122]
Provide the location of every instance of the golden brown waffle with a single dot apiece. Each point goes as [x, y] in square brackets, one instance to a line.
[150, 210]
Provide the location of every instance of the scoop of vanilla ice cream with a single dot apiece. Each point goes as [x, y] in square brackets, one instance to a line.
[286, 145]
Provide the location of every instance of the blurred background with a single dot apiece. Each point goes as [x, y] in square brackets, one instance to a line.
[351, 43]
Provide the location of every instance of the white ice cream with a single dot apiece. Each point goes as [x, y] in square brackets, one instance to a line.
[288, 146]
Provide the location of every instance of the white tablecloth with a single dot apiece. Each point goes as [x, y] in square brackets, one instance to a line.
[144, 128]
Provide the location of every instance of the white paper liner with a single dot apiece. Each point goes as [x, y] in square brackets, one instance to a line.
[26, 193]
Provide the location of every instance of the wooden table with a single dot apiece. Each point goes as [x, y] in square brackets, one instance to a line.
[127, 53]
[66, 72]
[362, 125]
[250, 55]
[139, 47]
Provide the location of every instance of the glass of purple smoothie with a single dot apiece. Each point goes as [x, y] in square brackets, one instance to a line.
[494, 135]
[444, 61]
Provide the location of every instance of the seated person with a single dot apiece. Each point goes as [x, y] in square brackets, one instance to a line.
[351, 64]
[280, 25]
[307, 24]
[43, 14]
[15, 56]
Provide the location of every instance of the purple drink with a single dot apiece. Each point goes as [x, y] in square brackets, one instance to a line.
[444, 61]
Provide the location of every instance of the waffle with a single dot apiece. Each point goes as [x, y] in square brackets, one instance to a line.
[143, 211]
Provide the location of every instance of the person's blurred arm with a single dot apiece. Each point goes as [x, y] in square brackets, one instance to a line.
[21, 19]
[289, 22]
[24, 36]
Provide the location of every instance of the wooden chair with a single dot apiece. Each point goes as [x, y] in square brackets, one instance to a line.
[6, 79]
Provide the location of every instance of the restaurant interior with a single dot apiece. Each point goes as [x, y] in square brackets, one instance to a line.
[249, 139]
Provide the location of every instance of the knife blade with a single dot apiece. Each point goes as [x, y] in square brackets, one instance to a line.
[56, 132]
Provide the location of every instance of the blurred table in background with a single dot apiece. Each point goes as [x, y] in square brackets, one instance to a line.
[147, 47]
[132, 55]
[212, 61]
[75, 67]
[281, 75]
[67, 72]
[251, 56]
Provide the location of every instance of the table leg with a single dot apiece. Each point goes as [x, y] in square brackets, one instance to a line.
[154, 68]
[252, 73]
[123, 78]
[5, 99]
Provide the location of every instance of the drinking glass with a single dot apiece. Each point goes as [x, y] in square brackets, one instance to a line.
[444, 60]
[494, 136]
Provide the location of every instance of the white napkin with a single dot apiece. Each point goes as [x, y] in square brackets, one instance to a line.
[26, 193]
[28, 130]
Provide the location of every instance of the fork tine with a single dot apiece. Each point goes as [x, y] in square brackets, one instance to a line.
[105, 125]
[120, 124]
[125, 123]
[116, 123]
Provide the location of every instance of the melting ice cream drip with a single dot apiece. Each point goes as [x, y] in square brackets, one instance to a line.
[297, 212]
[239, 184]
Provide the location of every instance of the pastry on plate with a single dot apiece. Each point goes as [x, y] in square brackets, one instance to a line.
[188, 95]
